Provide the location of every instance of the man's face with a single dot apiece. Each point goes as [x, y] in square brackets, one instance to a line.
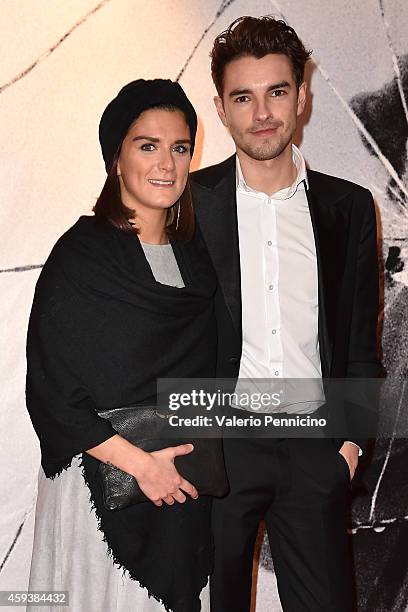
[260, 104]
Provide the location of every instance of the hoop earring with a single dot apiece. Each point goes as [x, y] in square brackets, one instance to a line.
[178, 215]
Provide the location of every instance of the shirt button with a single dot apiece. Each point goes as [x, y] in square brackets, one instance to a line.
[270, 287]
[269, 242]
[277, 373]
[274, 331]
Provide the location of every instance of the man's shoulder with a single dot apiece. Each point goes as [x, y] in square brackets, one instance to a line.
[335, 186]
[210, 176]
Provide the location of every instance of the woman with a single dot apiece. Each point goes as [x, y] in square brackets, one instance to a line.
[124, 298]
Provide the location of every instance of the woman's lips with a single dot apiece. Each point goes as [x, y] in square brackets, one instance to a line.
[161, 183]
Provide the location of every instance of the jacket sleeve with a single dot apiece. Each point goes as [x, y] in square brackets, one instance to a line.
[363, 352]
[363, 362]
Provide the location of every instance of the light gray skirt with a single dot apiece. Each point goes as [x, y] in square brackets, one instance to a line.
[69, 553]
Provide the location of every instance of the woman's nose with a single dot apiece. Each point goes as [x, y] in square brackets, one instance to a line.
[167, 162]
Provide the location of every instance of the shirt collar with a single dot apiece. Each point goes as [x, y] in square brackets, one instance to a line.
[300, 182]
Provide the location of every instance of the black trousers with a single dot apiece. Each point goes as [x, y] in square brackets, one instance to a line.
[300, 487]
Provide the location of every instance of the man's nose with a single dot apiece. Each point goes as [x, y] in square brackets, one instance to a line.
[262, 110]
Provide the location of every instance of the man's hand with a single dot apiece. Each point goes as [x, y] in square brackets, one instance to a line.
[350, 453]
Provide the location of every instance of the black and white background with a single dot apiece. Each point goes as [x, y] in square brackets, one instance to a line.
[61, 62]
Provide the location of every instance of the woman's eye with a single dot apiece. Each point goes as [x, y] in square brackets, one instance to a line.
[148, 146]
[181, 149]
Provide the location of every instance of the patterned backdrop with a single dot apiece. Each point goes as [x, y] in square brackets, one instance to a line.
[62, 61]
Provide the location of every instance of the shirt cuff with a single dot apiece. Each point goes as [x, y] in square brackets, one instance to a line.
[360, 452]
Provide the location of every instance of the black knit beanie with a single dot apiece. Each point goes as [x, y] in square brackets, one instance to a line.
[130, 102]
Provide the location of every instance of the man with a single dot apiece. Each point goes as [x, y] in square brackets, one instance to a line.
[295, 253]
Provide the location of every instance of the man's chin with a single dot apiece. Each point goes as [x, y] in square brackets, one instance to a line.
[265, 152]
[264, 155]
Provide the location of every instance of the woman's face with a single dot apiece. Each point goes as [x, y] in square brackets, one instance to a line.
[154, 160]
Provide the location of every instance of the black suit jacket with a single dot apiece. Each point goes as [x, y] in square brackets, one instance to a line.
[344, 227]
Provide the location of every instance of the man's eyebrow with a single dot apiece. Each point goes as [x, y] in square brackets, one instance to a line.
[240, 91]
[280, 85]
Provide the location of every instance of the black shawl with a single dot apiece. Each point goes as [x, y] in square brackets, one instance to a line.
[101, 331]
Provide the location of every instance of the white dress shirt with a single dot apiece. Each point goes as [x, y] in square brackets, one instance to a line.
[279, 289]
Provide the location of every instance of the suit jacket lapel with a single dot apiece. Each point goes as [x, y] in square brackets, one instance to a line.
[217, 215]
[218, 220]
[330, 221]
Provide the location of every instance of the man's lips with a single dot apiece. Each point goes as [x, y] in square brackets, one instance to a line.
[264, 131]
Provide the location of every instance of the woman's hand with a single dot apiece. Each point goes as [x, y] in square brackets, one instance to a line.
[158, 478]
[155, 472]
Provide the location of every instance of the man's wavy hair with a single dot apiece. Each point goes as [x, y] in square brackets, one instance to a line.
[257, 37]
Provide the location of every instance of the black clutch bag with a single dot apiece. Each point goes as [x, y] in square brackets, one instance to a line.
[143, 426]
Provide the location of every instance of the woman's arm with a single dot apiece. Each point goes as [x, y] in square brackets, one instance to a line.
[63, 365]
[155, 472]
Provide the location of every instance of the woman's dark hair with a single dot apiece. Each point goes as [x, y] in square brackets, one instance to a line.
[257, 36]
[109, 207]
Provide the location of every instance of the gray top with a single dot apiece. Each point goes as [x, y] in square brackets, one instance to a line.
[163, 264]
